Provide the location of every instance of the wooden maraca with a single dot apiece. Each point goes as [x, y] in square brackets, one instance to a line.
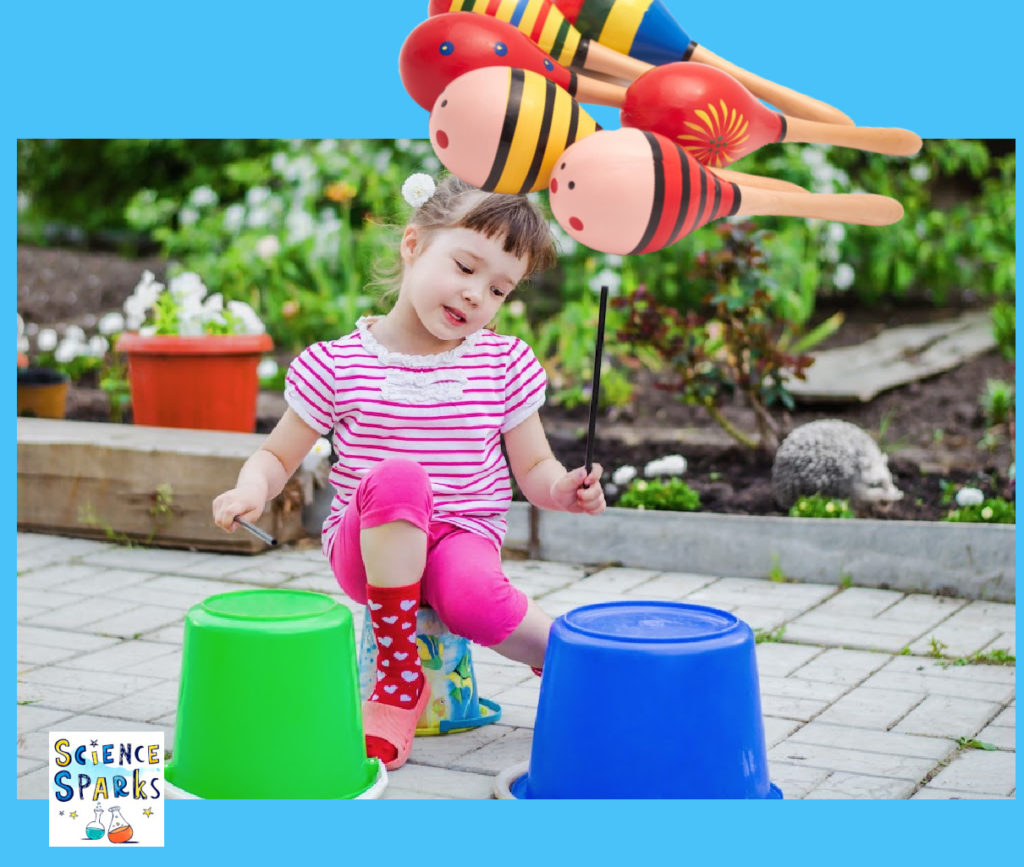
[646, 30]
[501, 129]
[634, 191]
[545, 25]
[440, 49]
[718, 120]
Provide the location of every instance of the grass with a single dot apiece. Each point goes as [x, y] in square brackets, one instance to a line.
[989, 657]
[763, 635]
[775, 573]
[974, 744]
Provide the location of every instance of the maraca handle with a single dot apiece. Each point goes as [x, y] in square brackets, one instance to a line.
[866, 209]
[743, 179]
[783, 98]
[598, 92]
[879, 140]
[601, 58]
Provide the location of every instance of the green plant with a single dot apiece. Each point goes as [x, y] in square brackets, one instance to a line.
[936, 647]
[775, 573]
[668, 495]
[734, 343]
[845, 580]
[985, 657]
[819, 506]
[184, 307]
[998, 401]
[114, 383]
[974, 744]
[994, 510]
[762, 635]
[1004, 326]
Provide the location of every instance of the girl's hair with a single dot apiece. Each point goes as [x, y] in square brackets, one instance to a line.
[456, 204]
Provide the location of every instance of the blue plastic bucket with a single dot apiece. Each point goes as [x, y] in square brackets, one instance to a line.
[648, 700]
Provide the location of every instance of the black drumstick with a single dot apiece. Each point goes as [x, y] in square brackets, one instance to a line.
[256, 531]
[595, 384]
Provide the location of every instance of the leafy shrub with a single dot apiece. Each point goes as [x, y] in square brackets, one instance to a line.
[672, 495]
[991, 511]
[998, 401]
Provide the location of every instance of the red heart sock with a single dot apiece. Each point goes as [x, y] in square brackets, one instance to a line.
[392, 612]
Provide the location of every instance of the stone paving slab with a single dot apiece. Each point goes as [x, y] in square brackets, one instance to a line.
[854, 702]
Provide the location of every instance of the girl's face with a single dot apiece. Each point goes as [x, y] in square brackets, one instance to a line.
[456, 279]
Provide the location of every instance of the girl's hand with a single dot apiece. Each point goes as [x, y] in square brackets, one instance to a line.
[578, 492]
[245, 502]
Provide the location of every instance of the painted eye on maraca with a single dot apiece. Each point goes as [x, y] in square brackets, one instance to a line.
[447, 48]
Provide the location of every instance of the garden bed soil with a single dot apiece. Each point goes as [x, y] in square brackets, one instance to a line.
[931, 429]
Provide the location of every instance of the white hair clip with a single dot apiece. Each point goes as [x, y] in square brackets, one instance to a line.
[418, 188]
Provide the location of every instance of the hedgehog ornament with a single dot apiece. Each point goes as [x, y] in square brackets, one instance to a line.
[835, 459]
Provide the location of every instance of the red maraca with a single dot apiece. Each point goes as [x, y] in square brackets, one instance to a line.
[634, 191]
[545, 25]
[645, 29]
[718, 120]
[443, 47]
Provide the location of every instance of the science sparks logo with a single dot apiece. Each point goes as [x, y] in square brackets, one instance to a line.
[106, 788]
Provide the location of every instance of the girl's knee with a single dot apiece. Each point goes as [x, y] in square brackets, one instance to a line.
[482, 611]
[396, 481]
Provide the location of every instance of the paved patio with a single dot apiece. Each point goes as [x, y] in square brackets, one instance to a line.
[855, 702]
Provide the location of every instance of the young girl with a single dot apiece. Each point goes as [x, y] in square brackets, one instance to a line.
[417, 402]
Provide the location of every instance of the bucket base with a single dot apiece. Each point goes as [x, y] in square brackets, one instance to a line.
[510, 784]
[375, 789]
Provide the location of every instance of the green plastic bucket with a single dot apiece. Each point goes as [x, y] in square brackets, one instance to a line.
[268, 705]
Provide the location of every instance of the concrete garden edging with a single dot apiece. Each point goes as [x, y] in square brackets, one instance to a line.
[974, 561]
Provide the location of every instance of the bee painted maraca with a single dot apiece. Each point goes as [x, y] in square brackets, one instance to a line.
[501, 128]
[718, 120]
[633, 191]
[546, 26]
[646, 30]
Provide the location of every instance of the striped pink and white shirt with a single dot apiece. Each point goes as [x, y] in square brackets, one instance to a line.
[446, 412]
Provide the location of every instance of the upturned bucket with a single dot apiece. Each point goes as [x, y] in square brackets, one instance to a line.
[646, 700]
[268, 705]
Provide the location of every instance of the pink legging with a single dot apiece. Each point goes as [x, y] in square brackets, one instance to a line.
[463, 580]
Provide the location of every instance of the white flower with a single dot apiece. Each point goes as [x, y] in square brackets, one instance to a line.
[843, 278]
[300, 226]
[670, 465]
[836, 232]
[326, 146]
[145, 292]
[564, 242]
[516, 307]
[188, 216]
[418, 188]
[74, 333]
[279, 162]
[98, 345]
[267, 368]
[187, 288]
[234, 217]
[321, 451]
[624, 475]
[969, 497]
[202, 196]
[147, 331]
[920, 172]
[268, 247]
[23, 344]
[987, 513]
[111, 323]
[23, 201]
[606, 277]
[256, 196]
[21, 325]
[250, 322]
[68, 350]
[610, 489]
[47, 340]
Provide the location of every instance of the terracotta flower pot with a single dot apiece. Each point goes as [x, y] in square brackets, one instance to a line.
[42, 392]
[207, 382]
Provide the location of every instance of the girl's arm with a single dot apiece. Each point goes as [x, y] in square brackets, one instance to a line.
[264, 474]
[543, 480]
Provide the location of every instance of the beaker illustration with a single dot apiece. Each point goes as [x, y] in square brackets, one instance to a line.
[119, 831]
[95, 830]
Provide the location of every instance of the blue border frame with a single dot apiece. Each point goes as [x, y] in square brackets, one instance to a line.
[189, 69]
